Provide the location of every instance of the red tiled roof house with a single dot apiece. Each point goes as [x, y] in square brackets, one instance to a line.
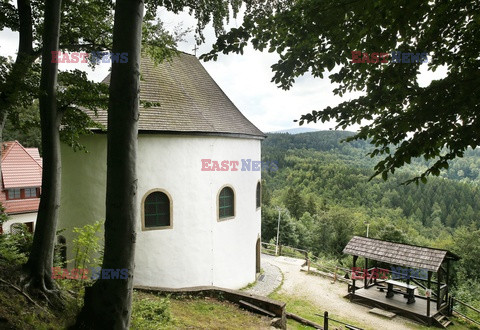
[21, 183]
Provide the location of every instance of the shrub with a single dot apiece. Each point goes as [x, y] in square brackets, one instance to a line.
[86, 246]
[15, 248]
[88, 254]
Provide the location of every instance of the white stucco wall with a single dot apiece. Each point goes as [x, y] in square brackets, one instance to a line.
[198, 250]
[19, 218]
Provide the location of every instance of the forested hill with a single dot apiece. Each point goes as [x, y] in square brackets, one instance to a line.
[465, 169]
[324, 185]
[320, 141]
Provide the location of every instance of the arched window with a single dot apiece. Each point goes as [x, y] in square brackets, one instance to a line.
[226, 203]
[259, 195]
[157, 210]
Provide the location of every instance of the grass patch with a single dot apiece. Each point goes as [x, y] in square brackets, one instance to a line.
[150, 312]
[249, 286]
[198, 313]
[460, 324]
[16, 312]
[305, 309]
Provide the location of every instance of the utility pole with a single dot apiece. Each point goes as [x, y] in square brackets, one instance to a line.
[278, 230]
[279, 209]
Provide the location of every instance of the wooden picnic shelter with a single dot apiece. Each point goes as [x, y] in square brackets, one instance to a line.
[425, 299]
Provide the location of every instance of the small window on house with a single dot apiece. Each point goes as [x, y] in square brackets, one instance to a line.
[156, 210]
[30, 192]
[226, 203]
[259, 195]
[13, 193]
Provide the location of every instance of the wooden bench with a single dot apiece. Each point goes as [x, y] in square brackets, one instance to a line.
[410, 290]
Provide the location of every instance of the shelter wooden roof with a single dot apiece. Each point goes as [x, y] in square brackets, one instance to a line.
[398, 254]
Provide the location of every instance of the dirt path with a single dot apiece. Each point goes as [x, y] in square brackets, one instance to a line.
[329, 297]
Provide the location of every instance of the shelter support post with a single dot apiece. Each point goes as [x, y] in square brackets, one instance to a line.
[365, 280]
[439, 280]
[353, 275]
[429, 283]
[447, 281]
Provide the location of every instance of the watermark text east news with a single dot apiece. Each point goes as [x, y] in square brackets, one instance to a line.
[93, 273]
[242, 165]
[393, 57]
[95, 57]
[397, 273]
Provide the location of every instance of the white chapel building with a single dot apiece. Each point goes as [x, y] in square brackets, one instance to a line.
[198, 218]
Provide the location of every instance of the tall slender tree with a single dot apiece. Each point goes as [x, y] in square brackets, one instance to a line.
[38, 25]
[25, 57]
[40, 261]
[108, 302]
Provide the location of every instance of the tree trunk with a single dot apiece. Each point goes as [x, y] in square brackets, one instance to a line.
[108, 302]
[40, 262]
[23, 63]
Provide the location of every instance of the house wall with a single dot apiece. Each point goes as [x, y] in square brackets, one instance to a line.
[198, 249]
[19, 218]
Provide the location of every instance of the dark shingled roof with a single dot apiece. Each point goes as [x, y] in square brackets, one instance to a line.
[189, 101]
[398, 254]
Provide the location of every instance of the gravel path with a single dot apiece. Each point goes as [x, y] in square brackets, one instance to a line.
[269, 280]
[329, 297]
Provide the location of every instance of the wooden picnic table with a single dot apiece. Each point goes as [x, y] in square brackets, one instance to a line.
[410, 290]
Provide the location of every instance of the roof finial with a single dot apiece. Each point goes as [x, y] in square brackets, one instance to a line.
[195, 49]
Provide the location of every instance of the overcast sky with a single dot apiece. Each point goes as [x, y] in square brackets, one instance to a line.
[244, 78]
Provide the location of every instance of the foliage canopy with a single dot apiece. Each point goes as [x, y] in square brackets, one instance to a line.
[439, 121]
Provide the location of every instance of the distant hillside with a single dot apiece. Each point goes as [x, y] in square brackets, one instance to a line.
[297, 130]
[318, 170]
[320, 141]
[322, 193]
[466, 169]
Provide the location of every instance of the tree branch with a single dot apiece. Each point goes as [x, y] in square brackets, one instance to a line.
[73, 47]
[26, 27]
